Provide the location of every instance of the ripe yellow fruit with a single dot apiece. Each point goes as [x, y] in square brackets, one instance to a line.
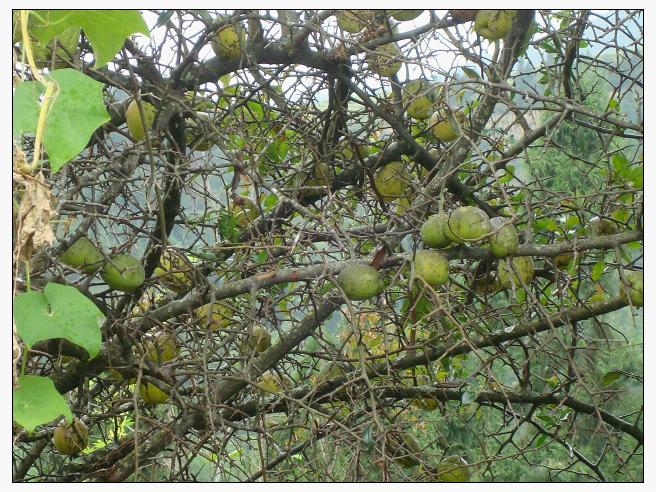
[444, 125]
[258, 339]
[161, 347]
[220, 318]
[392, 180]
[124, 273]
[418, 99]
[271, 382]
[467, 224]
[635, 288]
[133, 118]
[524, 267]
[504, 239]
[432, 267]
[453, 469]
[244, 213]
[404, 15]
[83, 254]
[174, 271]
[360, 282]
[494, 24]
[229, 41]
[353, 21]
[433, 231]
[151, 394]
[385, 60]
[71, 439]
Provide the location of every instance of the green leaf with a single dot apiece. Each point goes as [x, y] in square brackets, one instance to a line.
[76, 113]
[26, 107]
[270, 202]
[598, 270]
[60, 311]
[106, 30]
[36, 401]
[610, 377]
[468, 397]
[471, 73]
[583, 44]
[540, 440]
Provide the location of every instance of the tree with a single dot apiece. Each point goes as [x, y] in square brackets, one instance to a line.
[210, 236]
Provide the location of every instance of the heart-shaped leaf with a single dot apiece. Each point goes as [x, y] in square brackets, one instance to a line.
[36, 401]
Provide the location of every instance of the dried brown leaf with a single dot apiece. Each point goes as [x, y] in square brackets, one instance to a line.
[34, 216]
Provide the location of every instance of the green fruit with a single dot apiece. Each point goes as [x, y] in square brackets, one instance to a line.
[385, 60]
[330, 370]
[353, 21]
[391, 180]
[433, 231]
[504, 239]
[360, 282]
[229, 41]
[601, 226]
[116, 376]
[322, 175]
[272, 383]
[467, 224]
[417, 98]
[195, 138]
[124, 273]
[453, 469]
[427, 404]
[133, 118]
[221, 316]
[444, 127]
[635, 281]
[161, 348]
[83, 254]
[404, 449]
[151, 394]
[404, 15]
[524, 267]
[432, 267]
[494, 24]
[362, 150]
[244, 213]
[174, 271]
[71, 439]
[258, 339]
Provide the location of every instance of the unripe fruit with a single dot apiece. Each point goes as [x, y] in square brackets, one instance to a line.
[404, 449]
[258, 339]
[71, 439]
[174, 271]
[228, 41]
[330, 370]
[391, 180]
[161, 348]
[194, 136]
[635, 288]
[524, 267]
[83, 254]
[404, 15]
[353, 21]
[427, 404]
[504, 239]
[133, 118]
[417, 99]
[432, 267]
[244, 213]
[360, 282]
[433, 231]
[124, 273]
[453, 469]
[601, 226]
[151, 394]
[467, 224]
[272, 383]
[322, 175]
[385, 60]
[221, 316]
[493, 24]
[444, 127]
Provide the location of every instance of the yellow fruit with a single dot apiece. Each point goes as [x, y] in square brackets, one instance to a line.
[635, 288]
[392, 180]
[427, 404]
[71, 439]
[229, 41]
[432, 267]
[174, 271]
[135, 123]
[245, 213]
[116, 376]
[493, 24]
[360, 282]
[467, 224]
[404, 15]
[385, 60]
[322, 175]
[83, 254]
[258, 339]
[504, 239]
[271, 382]
[151, 394]
[362, 150]
[124, 273]
[524, 267]
[453, 469]
[418, 99]
[221, 316]
[433, 231]
[353, 20]
[444, 127]
[161, 347]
